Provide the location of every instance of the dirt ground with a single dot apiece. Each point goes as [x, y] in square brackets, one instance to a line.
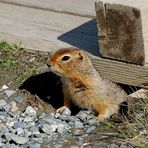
[24, 69]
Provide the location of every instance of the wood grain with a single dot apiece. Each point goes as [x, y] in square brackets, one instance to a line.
[125, 33]
[121, 72]
[85, 8]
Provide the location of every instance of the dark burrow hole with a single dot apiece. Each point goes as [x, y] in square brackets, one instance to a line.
[49, 88]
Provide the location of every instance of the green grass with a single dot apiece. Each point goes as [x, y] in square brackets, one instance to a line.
[15, 64]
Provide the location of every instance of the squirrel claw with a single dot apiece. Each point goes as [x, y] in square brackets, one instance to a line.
[102, 118]
[61, 109]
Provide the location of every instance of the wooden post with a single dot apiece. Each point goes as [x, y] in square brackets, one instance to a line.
[123, 30]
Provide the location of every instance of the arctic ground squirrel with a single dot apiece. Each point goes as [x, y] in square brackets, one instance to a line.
[83, 85]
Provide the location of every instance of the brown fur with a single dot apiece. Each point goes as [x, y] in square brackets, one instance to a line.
[83, 85]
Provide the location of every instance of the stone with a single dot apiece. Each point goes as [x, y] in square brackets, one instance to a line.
[66, 112]
[1, 125]
[57, 115]
[9, 92]
[4, 87]
[29, 118]
[2, 103]
[1, 144]
[31, 60]
[34, 129]
[63, 117]
[19, 140]
[18, 99]
[10, 124]
[36, 135]
[14, 107]
[6, 107]
[91, 121]
[77, 132]
[61, 128]
[74, 146]
[7, 136]
[78, 124]
[49, 119]
[38, 140]
[89, 129]
[19, 131]
[30, 111]
[34, 145]
[48, 129]
[20, 124]
[82, 115]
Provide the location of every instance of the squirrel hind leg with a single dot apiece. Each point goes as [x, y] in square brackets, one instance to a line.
[103, 116]
[106, 111]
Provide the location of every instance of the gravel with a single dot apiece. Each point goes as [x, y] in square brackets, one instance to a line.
[27, 128]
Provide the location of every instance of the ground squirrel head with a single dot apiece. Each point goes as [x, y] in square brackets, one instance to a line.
[69, 62]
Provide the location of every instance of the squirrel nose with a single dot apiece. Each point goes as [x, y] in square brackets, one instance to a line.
[48, 64]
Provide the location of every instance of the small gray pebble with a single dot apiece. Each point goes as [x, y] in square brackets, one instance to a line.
[91, 121]
[66, 112]
[19, 140]
[73, 118]
[82, 115]
[20, 124]
[73, 146]
[2, 103]
[43, 135]
[37, 140]
[77, 132]
[18, 99]
[29, 118]
[78, 124]
[56, 115]
[36, 134]
[30, 111]
[19, 131]
[7, 136]
[9, 92]
[48, 129]
[34, 145]
[63, 117]
[6, 107]
[34, 129]
[2, 145]
[49, 119]
[89, 129]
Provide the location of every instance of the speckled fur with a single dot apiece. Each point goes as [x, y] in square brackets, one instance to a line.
[83, 85]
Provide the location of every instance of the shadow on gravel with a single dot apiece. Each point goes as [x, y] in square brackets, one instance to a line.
[48, 87]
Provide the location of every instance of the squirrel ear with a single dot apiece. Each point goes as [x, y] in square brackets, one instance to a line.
[80, 56]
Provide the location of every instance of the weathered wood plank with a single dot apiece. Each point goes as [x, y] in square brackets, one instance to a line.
[84, 8]
[123, 30]
[45, 30]
[121, 72]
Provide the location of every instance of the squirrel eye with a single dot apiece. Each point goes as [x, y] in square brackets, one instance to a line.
[65, 58]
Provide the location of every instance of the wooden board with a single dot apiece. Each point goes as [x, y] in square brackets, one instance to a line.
[47, 30]
[121, 72]
[85, 8]
[123, 30]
